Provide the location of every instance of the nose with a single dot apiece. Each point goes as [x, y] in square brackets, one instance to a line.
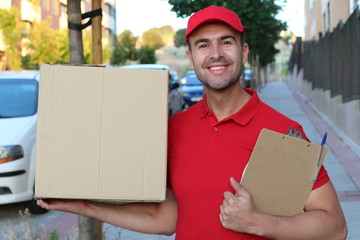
[216, 52]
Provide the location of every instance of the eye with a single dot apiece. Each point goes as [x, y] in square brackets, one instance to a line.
[227, 42]
[203, 45]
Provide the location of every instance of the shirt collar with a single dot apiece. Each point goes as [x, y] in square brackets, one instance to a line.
[241, 117]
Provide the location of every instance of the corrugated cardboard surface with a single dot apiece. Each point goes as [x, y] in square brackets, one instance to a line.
[102, 133]
[280, 173]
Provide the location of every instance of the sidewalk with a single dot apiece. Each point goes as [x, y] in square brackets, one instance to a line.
[342, 163]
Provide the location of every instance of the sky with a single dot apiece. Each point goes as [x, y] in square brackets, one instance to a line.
[142, 15]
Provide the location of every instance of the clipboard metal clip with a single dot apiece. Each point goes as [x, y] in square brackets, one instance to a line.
[294, 133]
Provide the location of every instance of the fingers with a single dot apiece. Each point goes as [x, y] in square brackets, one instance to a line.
[57, 204]
[240, 190]
[47, 204]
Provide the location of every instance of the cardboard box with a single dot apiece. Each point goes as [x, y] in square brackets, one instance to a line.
[102, 133]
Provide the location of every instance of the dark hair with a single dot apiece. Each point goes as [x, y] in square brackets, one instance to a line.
[242, 38]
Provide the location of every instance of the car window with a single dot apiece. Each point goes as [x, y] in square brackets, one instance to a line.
[18, 98]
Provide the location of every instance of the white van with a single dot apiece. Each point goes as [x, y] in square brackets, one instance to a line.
[18, 115]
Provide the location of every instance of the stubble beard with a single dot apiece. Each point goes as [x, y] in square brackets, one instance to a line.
[219, 83]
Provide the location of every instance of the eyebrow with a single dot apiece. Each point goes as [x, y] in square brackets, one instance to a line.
[205, 40]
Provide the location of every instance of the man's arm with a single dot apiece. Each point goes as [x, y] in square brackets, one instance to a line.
[322, 217]
[153, 218]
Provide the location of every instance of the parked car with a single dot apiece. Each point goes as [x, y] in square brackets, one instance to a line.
[175, 101]
[174, 76]
[247, 78]
[191, 89]
[18, 116]
[187, 74]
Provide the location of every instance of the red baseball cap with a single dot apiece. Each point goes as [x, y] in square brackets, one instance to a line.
[213, 14]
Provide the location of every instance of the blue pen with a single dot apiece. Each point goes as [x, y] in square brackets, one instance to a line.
[321, 150]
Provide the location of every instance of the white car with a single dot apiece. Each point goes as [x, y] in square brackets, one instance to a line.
[18, 115]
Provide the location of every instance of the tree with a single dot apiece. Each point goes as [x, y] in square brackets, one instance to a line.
[44, 45]
[167, 35]
[153, 38]
[11, 30]
[147, 55]
[258, 16]
[118, 56]
[85, 225]
[75, 36]
[124, 49]
[127, 42]
[179, 38]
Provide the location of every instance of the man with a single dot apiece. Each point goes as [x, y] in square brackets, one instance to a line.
[208, 148]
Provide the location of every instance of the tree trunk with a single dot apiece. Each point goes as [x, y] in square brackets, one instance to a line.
[85, 228]
[85, 225]
[97, 59]
[75, 36]
[96, 34]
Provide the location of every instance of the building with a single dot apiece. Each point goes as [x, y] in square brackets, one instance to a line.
[322, 16]
[40, 10]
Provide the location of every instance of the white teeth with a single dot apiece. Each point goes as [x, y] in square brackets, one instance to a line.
[217, 68]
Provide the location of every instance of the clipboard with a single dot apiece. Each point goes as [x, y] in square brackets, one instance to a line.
[280, 172]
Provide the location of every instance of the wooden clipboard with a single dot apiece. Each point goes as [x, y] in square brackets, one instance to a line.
[280, 172]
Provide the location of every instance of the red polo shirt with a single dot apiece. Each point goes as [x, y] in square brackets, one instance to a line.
[204, 153]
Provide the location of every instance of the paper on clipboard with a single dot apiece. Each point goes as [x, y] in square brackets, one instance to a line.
[280, 172]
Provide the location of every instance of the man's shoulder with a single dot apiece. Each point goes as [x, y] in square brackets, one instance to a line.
[273, 119]
[191, 113]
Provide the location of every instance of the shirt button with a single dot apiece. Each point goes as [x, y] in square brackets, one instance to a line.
[215, 129]
[209, 113]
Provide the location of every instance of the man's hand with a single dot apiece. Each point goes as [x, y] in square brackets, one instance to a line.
[237, 211]
[72, 206]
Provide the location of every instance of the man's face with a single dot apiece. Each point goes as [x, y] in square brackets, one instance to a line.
[216, 55]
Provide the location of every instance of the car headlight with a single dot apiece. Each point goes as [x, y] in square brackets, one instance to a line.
[10, 153]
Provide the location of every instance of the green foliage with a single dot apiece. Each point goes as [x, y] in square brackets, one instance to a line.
[44, 45]
[153, 38]
[106, 53]
[54, 235]
[167, 35]
[179, 39]
[87, 45]
[147, 55]
[287, 36]
[127, 42]
[64, 46]
[118, 56]
[166, 30]
[124, 49]
[11, 31]
[258, 16]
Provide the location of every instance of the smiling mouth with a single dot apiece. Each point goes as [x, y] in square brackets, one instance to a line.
[217, 68]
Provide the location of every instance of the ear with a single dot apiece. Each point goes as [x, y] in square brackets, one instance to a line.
[245, 53]
[189, 56]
